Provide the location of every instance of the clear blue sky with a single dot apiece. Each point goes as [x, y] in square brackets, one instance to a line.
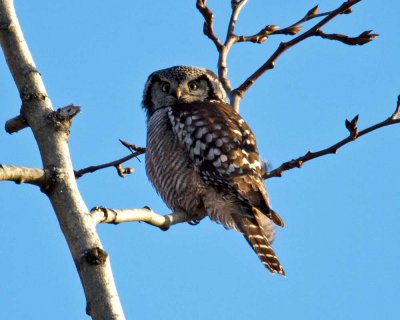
[342, 212]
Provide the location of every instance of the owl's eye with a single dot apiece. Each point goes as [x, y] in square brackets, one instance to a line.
[193, 85]
[165, 86]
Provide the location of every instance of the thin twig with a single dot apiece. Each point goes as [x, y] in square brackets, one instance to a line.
[116, 163]
[270, 63]
[230, 39]
[360, 40]
[354, 134]
[208, 27]
[132, 147]
[235, 95]
[293, 29]
[311, 14]
[237, 6]
[223, 49]
[259, 37]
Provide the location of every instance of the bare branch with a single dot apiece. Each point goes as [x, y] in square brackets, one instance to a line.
[20, 175]
[116, 163]
[259, 37]
[311, 14]
[15, 124]
[67, 113]
[360, 40]
[270, 63]
[64, 114]
[222, 49]
[291, 30]
[132, 147]
[208, 27]
[115, 216]
[237, 6]
[354, 134]
[235, 95]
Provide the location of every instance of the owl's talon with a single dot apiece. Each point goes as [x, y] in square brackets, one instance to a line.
[194, 222]
[98, 208]
[164, 227]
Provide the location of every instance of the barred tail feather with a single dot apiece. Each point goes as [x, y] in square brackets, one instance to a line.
[259, 239]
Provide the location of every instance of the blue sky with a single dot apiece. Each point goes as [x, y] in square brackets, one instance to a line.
[340, 243]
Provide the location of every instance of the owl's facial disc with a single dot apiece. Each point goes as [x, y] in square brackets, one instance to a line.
[185, 84]
[186, 91]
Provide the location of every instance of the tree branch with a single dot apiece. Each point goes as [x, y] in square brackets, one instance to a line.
[223, 49]
[311, 14]
[208, 27]
[284, 46]
[360, 40]
[15, 124]
[235, 95]
[354, 134]
[136, 151]
[230, 39]
[116, 163]
[51, 130]
[115, 216]
[20, 175]
[237, 6]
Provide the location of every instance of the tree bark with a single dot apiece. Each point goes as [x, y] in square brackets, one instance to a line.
[51, 131]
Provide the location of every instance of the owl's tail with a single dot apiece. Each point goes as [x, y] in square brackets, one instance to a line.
[259, 233]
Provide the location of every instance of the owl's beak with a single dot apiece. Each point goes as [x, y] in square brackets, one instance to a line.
[178, 93]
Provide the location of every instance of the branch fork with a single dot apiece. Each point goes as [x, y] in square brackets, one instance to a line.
[117, 164]
[62, 115]
[236, 94]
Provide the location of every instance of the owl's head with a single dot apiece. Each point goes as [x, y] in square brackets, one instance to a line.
[181, 84]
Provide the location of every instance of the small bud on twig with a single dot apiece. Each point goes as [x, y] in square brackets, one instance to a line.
[347, 11]
[291, 30]
[351, 126]
[132, 147]
[312, 12]
[396, 114]
[360, 40]
[271, 28]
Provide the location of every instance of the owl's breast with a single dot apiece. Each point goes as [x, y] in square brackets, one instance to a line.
[170, 169]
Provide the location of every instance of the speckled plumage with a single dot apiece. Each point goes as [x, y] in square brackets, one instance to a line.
[202, 157]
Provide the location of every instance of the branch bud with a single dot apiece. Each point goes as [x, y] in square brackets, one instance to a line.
[351, 126]
[368, 35]
[354, 121]
[347, 11]
[293, 30]
[271, 28]
[347, 124]
[312, 12]
[262, 39]
[200, 4]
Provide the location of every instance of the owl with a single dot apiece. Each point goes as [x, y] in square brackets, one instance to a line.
[202, 157]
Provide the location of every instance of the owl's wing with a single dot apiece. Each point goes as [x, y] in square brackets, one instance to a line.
[223, 147]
